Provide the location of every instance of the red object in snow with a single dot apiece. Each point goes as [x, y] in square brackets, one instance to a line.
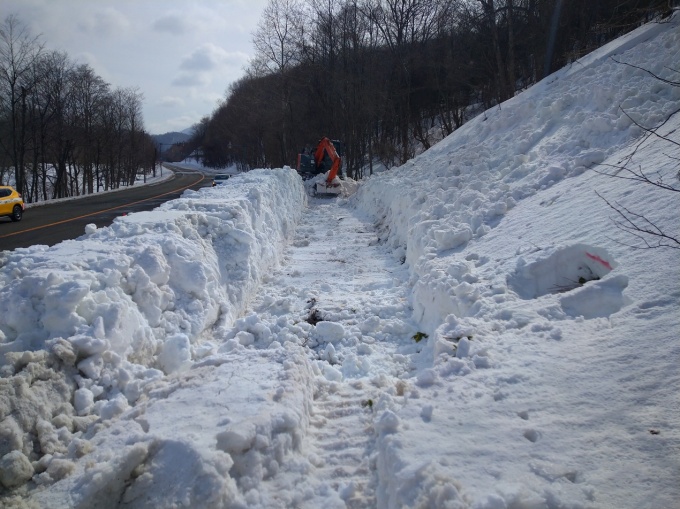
[598, 259]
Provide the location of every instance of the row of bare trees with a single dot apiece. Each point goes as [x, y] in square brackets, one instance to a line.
[64, 131]
[390, 77]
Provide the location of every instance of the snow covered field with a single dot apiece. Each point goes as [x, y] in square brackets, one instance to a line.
[468, 330]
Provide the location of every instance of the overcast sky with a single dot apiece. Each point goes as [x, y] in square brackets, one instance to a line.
[181, 54]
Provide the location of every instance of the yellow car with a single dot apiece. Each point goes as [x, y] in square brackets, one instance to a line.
[220, 179]
[11, 203]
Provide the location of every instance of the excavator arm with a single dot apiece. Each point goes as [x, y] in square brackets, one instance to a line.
[325, 149]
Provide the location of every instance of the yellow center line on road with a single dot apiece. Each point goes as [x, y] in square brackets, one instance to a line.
[102, 211]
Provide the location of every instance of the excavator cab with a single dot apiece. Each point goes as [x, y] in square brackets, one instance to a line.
[305, 164]
[326, 159]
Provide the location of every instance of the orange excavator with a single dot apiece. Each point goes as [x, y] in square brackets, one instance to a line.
[326, 159]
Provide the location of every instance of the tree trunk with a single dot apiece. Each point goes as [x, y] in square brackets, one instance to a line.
[512, 85]
[490, 11]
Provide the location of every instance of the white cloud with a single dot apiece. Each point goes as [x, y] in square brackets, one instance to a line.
[210, 56]
[172, 23]
[171, 102]
[191, 80]
[212, 99]
[204, 58]
[204, 63]
[183, 122]
[105, 22]
[91, 59]
[237, 58]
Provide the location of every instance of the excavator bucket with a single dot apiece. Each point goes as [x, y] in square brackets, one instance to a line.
[326, 188]
[326, 159]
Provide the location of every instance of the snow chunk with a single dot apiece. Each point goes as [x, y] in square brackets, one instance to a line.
[113, 408]
[600, 299]
[83, 401]
[237, 439]
[452, 238]
[427, 377]
[387, 423]
[331, 373]
[15, 469]
[176, 353]
[329, 332]
[245, 338]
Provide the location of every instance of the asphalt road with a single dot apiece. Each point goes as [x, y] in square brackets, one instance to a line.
[56, 222]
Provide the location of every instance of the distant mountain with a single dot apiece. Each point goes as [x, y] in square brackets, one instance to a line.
[170, 138]
[189, 131]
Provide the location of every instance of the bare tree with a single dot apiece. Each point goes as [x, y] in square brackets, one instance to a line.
[277, 40]
[89, 92]
[61, 127]
[278, 33]
[18, 51]
[135, 123]
[383, 74]
[405, 26]
[490, 13]
[647, 232]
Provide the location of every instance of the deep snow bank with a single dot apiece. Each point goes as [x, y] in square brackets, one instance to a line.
[462, 188]
[87, 324]
[542, 382]
[253, 412]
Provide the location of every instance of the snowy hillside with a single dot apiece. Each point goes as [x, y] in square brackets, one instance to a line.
[470, 330]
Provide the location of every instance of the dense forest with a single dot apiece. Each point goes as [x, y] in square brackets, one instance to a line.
[387, 77]
[64, 131]
[391, 77]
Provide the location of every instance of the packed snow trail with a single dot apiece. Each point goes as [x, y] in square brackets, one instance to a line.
[338, 276]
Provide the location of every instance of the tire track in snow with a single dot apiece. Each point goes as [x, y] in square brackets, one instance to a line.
[341, 433]
[337, 271]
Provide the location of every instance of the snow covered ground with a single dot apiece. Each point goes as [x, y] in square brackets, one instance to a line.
[468, 330]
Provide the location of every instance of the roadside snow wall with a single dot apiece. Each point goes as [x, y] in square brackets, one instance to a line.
[86, 324]
[462, 188]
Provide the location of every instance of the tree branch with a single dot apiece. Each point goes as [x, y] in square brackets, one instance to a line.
[639, 177]
[641, 227]
[653, 130]
[672, 83]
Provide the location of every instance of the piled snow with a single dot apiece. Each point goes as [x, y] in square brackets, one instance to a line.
[552, 344]
[466, 331]
[88, 324]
